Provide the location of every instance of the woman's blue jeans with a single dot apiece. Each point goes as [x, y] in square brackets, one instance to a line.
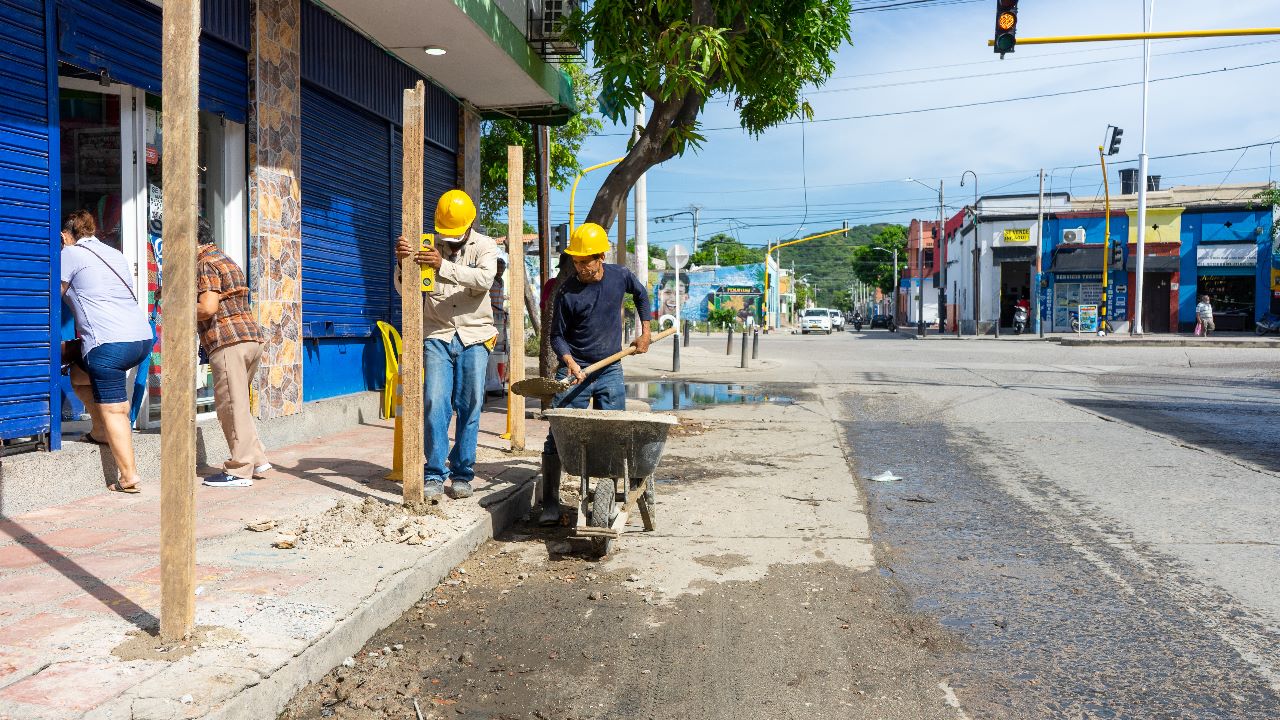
[454, 384]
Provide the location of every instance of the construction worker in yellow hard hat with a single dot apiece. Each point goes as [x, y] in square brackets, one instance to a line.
[458, 334]
[586, 328]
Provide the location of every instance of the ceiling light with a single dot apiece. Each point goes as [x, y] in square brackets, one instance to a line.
[434, 50]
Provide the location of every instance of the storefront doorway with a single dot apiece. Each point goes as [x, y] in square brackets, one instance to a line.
[1015, 284]
[1155, 302]
[1232, 296]
[112, 147]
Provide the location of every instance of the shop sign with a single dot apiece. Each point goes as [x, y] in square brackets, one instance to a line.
[1088, 318]
[1233, 255]
[1017, 235]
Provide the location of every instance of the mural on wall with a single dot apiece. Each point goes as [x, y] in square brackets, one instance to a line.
[740, 287]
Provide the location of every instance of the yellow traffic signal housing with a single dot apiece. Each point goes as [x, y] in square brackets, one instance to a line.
[1006, 26]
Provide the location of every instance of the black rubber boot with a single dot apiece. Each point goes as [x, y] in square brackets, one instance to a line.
[550, 490]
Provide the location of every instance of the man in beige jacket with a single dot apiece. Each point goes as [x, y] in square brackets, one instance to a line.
[459, 334]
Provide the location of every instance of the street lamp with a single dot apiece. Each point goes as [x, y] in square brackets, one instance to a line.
[895, 277]
[920, 254]
[694, 211]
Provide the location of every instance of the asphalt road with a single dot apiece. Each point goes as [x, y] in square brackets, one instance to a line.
[1078, 533]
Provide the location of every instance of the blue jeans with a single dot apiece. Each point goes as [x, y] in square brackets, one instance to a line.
[107, 366]
[455, 383]
[603, 389]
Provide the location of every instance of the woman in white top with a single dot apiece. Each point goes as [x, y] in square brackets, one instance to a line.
[115, 337]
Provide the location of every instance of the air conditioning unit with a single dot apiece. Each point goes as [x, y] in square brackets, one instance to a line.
[1073, 236]
[546, 26]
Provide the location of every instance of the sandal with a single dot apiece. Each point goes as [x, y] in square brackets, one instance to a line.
[89, 438]
[118, 486]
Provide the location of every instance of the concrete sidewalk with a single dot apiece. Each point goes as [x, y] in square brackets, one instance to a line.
[79, 580]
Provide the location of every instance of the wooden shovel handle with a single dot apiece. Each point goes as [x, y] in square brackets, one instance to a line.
[625, 352]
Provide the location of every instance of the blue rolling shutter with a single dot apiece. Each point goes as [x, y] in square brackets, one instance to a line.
[28, 173]
[348, 219]
[123, 38]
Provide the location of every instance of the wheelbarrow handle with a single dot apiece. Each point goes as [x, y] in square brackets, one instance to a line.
[629, 350]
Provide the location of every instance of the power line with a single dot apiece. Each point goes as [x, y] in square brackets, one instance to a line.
[981, 103]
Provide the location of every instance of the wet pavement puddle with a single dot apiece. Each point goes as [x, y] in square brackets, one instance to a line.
[676, 395]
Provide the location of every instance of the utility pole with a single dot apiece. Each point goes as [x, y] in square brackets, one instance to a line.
[642, 215]
[1039, 255]
[1136, 321]
[1106, 243]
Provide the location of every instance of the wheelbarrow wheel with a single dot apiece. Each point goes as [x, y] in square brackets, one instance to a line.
[602, 499]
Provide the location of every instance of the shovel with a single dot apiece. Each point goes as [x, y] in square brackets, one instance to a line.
[541, 387]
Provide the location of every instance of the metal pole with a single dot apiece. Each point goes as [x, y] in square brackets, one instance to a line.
[728, 346]
[1039, 255]
[675, 355]
[743, 362]
[1140, 265]
[641, 231]
[755, 344]
[687, 332]
[1106, 243]
[896, 283]
[920, 282]
[1171, 35]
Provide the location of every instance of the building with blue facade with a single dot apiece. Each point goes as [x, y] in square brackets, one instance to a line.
[1216, 240]
[300, 151]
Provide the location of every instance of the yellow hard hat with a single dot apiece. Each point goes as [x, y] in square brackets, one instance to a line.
[588, 239]
[454, 213]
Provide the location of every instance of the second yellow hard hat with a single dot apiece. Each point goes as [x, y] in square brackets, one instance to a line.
[588, 239]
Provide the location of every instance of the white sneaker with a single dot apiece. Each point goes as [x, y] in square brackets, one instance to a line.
[260, 470]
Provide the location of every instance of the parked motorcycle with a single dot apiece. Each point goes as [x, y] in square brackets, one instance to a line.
[1270, 323]
[1019, 320]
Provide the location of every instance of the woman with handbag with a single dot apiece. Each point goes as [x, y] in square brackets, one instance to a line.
[114, 337]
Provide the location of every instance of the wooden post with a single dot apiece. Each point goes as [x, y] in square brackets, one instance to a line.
[515, 290]
[181, 82]
[411, 420]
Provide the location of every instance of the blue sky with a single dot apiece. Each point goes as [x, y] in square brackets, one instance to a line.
[936, 55]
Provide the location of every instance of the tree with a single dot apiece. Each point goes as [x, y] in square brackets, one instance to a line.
[677, 54]
[875, 267]
[727, 251]
[843, 301]
[1270, 198]
[566, 142]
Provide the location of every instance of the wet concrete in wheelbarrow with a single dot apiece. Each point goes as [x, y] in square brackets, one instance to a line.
[1053, 634]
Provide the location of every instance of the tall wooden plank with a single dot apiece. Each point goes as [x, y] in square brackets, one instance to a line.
[515, 291]
[411, 451]
[181, 82]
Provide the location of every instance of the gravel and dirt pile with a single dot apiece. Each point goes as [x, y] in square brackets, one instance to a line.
[367, 522]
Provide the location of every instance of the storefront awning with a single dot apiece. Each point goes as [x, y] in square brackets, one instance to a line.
[1088, 259]
[1232, 255]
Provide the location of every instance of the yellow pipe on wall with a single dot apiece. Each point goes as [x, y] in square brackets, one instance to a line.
[573, 194]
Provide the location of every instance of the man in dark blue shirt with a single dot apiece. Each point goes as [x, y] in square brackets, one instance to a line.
[586, 327]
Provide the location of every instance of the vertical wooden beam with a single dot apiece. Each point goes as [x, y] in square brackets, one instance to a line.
[411, 419]
[542, 149]
[181, 82]
[515, 290]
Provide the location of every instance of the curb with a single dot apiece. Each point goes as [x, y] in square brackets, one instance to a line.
[1190, 342]
[397, 593]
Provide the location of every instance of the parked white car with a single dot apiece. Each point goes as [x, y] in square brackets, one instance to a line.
[815, 320]
[837, 320]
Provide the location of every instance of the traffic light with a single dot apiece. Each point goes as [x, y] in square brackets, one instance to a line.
[561, 232]
[1006, 26]
[1117, 254]
[846, 230]
[1113, 147]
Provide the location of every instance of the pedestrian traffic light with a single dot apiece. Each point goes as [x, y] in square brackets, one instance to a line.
[1113, 148]
[1006, 26]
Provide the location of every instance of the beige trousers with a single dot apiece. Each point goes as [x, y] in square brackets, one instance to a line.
[233, 369]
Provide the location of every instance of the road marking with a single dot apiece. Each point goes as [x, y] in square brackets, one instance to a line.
[949, 696]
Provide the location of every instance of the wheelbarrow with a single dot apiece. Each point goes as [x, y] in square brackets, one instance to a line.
[611, 446]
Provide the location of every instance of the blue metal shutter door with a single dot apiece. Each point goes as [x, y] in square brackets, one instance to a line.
[28, 170]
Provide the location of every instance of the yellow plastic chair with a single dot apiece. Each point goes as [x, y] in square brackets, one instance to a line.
[391, 346]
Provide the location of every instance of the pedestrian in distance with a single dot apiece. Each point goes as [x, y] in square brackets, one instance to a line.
[114, 337]
[586, 327]
[458, 334]
[233, 342]
[1204, 317]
